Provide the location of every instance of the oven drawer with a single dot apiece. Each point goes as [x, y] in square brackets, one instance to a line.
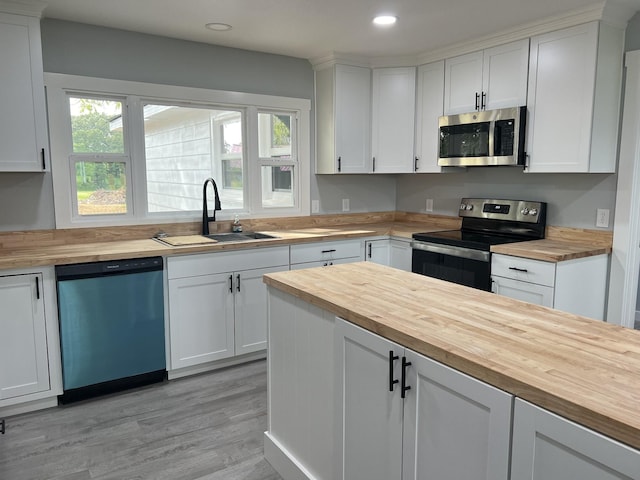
[523, 269]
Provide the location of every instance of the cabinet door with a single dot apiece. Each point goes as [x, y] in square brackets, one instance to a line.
[547, 446]
[455, 426]
[352, 119]
[393, 119]
[429, 107]
[369, 433]
[400, 253]
[201, 319]
[24, 346]
[23, 133]
[527, 292]
[505, 75]
[562, 74]
[377, 251]
[251, 310]
[462, 83]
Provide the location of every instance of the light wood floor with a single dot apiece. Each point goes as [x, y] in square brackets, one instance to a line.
[207, 427]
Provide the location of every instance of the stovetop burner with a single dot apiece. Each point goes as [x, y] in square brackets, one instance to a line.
[487, 222]
[460, 238]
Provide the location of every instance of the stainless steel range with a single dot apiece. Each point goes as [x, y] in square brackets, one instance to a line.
[463, 256]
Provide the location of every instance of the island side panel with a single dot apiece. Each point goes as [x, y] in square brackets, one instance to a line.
[299, 441]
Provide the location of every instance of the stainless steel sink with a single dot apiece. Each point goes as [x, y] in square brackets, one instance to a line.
[238, 237]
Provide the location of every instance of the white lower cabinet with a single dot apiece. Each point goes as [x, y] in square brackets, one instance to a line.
[444, 412]
[389, 251]
[369, 415]
[378, 251]
[30, 354]
[217, 304]
[576, 286]
[323, 254]
[547, 446]
[23, 327]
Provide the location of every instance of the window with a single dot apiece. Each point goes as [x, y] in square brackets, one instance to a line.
[183, 147]
[99, 163]
[130, 152]
[277, 159]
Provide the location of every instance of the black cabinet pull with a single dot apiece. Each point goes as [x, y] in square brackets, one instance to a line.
[238, 282]
[231, 283]
[404, 387]
[325, 264]
[523, 270]
[42, 154]
[477, 101]
[369, 250]
[38, 288]
[392, 381]
[415, 165]
[374, 164]
[329, 251]
[339, 163]
[484, 100]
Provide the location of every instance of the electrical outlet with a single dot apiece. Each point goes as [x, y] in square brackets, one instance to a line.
[429, 206]
[315, 206]
[345, 204]
[602, 217]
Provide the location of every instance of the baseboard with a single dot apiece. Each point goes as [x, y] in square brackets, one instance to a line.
[27, 407]
[210, 366]
[637, 320]
[282, 461]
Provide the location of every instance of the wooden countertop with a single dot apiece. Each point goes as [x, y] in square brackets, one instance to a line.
[551, 250]
[581, 369]
[59, 247]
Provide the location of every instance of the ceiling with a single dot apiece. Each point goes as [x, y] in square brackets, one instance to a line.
[315, 28]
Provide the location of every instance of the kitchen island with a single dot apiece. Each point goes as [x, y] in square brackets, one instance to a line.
[545, 366]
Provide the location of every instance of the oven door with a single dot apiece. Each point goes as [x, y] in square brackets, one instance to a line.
[464, 266]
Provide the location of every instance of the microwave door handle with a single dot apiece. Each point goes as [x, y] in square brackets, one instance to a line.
[492, 139]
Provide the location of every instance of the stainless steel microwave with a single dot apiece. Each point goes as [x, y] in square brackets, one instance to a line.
[492, 137]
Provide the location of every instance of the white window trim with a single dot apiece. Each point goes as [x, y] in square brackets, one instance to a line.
[58, 85]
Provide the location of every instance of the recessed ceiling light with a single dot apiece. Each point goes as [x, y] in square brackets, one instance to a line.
[385, 20]
[218, 27]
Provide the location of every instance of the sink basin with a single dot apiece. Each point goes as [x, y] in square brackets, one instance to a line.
[238, 237]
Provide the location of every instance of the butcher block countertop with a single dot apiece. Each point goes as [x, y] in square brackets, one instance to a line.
[58, 247]
[582, 369]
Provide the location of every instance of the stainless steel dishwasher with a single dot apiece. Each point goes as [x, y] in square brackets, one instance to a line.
[111, 326]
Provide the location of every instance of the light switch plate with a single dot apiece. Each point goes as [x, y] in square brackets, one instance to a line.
[345, 204]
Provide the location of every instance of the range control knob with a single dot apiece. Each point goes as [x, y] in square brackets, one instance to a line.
[469, 207]
[533, 211]
[524, 211]
[463, 206]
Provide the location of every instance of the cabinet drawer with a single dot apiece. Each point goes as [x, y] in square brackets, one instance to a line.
[230, 261]
[315, 252]
[523, 269]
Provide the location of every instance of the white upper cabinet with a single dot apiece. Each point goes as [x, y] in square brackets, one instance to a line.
[23, 131]
[429, 107]
[343, 119]
[393, 119]
[575, 78]
[486, 80]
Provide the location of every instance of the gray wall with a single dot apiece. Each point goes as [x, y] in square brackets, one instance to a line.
[572, 198]
[80, 49]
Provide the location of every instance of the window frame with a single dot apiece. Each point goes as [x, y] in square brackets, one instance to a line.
[136, 94]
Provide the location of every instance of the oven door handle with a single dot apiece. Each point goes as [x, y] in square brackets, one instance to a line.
[470, 253]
